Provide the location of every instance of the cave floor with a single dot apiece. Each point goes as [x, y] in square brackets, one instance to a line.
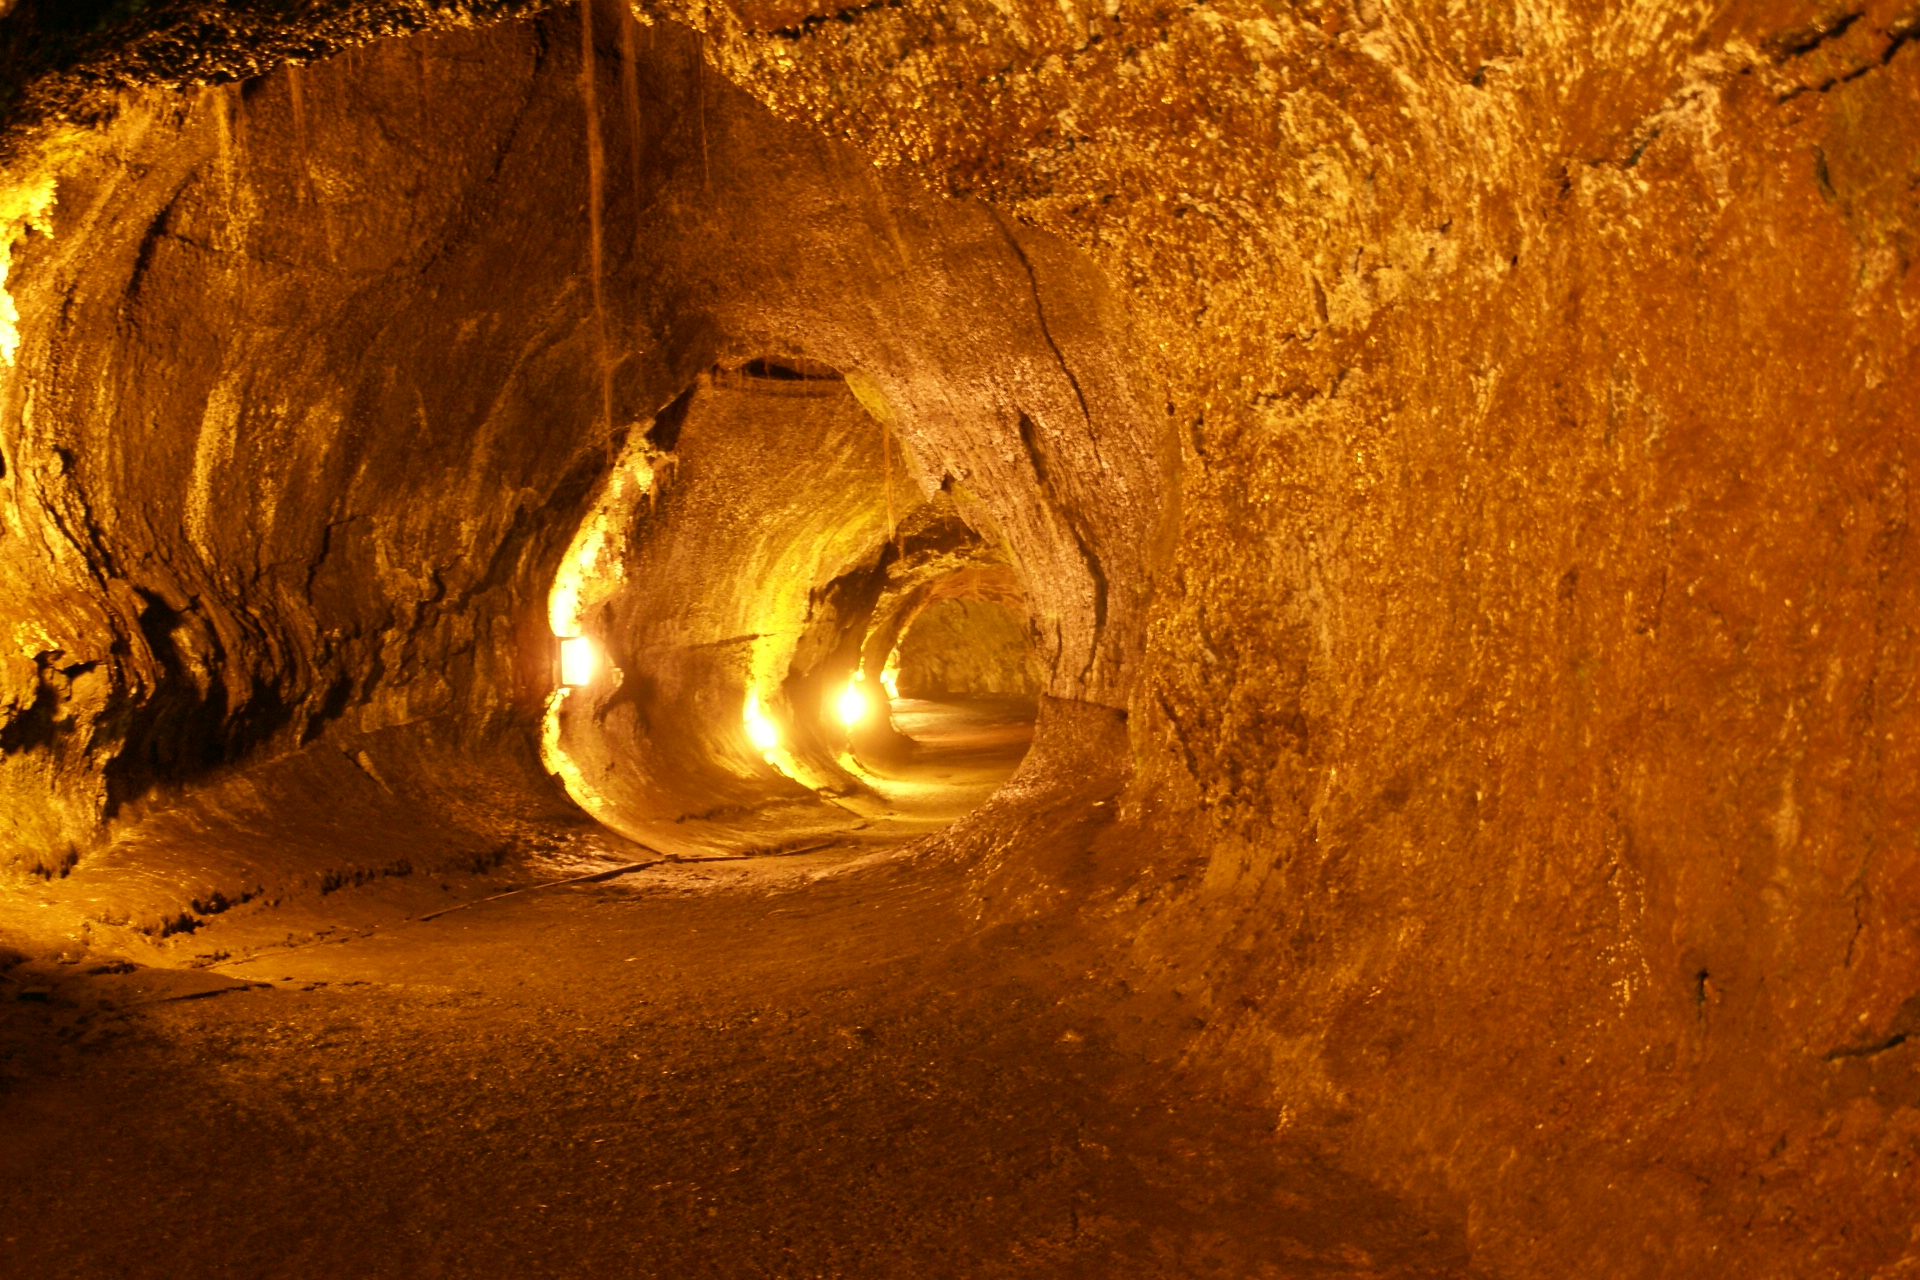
[814, 1065]
[962, 750]
[712, 1073]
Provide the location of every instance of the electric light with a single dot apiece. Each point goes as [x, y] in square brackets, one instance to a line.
[761, 731]
[854, 703]
[578, 661]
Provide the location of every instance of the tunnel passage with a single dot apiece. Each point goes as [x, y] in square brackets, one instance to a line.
[385, 412]
[1527, 735]
[962, 647]
[740, 596]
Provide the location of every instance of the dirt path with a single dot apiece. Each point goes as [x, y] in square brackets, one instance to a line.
[808, 1066]
[705, 1074]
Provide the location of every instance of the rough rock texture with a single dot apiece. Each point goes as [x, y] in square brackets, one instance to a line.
[769, 493]
[1525, 732]
[359, 335]
[61, 59]
[295, 533]
[1539, 648]
[972, 648]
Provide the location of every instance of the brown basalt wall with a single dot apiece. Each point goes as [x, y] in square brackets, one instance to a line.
[764, 499]
[1525, 731]
[1538, 652]
[972, 648]
[307, 402]
[242, 504]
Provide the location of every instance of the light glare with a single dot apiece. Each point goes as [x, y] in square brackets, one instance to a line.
[761, 731]
[578, 661]
[853, 701]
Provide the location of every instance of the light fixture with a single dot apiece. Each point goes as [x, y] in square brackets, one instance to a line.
[578, 661]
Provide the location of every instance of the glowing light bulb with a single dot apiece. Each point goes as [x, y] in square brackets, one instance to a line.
[761, 731]
[853, 704]
[578, 661]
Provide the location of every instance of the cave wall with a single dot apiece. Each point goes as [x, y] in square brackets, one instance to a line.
[1537, 657]
[967, 648]
[1525, 726]
[309, 399]
[765, 498]
[243, 501]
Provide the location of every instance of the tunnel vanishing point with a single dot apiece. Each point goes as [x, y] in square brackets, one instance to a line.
[959, 638]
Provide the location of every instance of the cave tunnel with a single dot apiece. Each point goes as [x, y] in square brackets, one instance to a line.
[965, 639]
[745, 605]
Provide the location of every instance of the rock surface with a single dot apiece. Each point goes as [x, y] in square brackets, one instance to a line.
[972, 648]
[1473, 448]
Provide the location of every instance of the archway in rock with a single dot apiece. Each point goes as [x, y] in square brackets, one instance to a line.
[728, 612]
[964, 647]
[391, 409]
